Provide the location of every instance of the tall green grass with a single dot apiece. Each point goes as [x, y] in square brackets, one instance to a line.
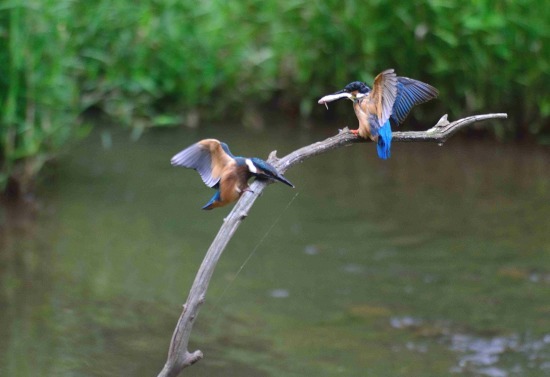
[38, 94]
[163, 62]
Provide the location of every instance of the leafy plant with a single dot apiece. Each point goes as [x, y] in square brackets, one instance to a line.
[161, 63]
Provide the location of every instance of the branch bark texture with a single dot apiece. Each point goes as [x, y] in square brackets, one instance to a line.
[179, 356]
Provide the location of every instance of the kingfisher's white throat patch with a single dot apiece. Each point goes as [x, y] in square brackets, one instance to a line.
[251, 166]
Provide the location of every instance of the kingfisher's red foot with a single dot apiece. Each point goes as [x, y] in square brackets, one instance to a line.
[355, 132]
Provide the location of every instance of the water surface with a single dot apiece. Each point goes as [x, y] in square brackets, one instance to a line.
[433, 263]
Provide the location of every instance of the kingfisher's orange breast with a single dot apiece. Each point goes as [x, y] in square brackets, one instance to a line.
[233, 183]
[362, 107]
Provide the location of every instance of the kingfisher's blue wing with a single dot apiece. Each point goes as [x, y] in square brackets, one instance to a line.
[208, 157]
[409, 94]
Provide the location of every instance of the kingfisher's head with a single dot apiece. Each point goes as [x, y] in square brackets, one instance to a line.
[263, 170]
[351, 91]
[356, 87]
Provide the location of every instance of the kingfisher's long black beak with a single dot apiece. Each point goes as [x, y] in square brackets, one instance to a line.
[267, 171]
[272, 174]
[282, 179]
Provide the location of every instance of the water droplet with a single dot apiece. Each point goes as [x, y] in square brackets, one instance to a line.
[311, 250]
[352, 268]
[279, 293]
[404, 322]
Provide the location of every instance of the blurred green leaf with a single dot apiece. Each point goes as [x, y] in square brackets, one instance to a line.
[142, 62]
[167, 120]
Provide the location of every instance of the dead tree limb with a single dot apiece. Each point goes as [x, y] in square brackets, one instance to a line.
[178, 355]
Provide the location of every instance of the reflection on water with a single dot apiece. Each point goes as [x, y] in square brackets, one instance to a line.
[482, 355]
[487, 356]
[433, 263]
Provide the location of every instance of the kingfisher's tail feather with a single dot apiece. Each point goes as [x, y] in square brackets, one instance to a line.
[384, 141]
[210, 204]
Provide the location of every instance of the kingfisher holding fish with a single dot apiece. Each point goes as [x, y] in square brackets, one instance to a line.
[222, 171]
[389, 101]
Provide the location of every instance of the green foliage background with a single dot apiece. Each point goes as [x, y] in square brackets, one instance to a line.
[161, 62]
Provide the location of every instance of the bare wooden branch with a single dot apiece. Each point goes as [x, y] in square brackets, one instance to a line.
[178, 355]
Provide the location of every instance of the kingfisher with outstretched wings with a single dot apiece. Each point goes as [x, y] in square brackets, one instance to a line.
[222, 171]
[389, 101]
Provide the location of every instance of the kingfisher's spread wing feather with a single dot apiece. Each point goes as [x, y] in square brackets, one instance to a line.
[409, 94]
[383, 95]
[207, 157]
[390, 101]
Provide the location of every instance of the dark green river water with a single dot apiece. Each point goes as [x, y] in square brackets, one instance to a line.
[433, 263]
